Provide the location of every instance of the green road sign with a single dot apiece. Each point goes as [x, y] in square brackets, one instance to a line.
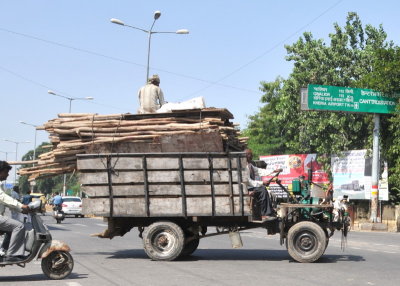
[336, 98]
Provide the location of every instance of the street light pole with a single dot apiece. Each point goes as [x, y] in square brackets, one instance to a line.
[150, 32]
[34, 150]
[70, 98]
[70, 105]
[34, 147]
[16, 154]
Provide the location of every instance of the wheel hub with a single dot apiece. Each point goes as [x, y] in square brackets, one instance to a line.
[164, 241]
[306, 242]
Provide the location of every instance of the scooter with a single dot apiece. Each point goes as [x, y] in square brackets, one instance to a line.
[57, 262]
[58, 214]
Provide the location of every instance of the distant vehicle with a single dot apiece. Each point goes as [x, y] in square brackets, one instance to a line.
[42, 197]
[72, 206]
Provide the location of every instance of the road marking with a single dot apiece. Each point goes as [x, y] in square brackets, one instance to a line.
[78, 224]
[391, 252]
[73, 284]
[101, 224]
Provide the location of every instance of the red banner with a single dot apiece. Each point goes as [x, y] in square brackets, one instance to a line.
[294, 166]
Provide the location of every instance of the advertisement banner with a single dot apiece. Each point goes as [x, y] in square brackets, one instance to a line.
[294, 166]
[352, 176]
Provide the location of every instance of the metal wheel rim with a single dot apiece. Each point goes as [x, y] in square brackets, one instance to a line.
[163, 242]
[306, 242]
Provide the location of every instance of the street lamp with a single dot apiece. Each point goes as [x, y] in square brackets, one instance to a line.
[70, 98]
[70, 102]
[150, 32]
[7, 153]
[34, 148]
[16, 153]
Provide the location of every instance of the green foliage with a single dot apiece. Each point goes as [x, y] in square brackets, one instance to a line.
[357, 56]
[47, 185]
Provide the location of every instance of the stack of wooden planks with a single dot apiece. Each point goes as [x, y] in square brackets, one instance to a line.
[72, 134]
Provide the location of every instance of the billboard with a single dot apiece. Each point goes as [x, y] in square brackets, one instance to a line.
[294, 166]
[352, 176]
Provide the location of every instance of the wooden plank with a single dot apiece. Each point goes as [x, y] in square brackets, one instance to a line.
[165, 207]
[203, 163]
[159, 190]
[119, 163]
[201, 141]
[135, 162]
[102, 178]
[162, 163]
[204, 176]
[161, 207]
[156, 177]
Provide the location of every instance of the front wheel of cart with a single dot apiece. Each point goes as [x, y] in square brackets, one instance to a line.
[306, 242]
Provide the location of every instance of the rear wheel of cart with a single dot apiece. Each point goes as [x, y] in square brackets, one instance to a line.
[190, 247]
[306, 242]
[163, 240]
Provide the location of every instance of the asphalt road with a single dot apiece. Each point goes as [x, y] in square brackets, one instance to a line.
[370, 258]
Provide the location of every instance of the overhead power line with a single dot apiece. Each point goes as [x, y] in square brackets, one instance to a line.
[120, 60]
[269, 50]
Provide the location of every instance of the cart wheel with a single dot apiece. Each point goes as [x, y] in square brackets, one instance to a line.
[58, 265]
[163, 240]
[190, 247]
[306, 242]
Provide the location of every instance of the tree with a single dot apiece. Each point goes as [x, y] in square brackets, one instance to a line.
[342, 63]
[356, 56]
[47, 185]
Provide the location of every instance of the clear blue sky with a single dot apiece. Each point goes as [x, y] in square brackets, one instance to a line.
[71, 47]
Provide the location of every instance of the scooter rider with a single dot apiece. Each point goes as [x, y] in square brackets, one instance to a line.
[13, 227]
[57, 202]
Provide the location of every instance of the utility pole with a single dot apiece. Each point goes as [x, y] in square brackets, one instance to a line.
[375, 215]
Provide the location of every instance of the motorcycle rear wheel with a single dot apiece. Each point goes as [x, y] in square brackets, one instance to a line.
[57, 265]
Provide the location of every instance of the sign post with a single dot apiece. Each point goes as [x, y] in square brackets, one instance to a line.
[346, 99]
[336, 98]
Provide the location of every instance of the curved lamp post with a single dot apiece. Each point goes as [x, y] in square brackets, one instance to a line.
[16, 153]
[70, 103]
[70, 98]
[150, 32]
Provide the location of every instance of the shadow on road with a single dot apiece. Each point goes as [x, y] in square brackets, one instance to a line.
[38, 277]
[231, 254]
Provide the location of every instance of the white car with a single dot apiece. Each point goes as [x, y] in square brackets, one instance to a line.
[72, 206]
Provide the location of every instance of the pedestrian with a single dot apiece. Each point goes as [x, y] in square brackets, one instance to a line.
[257, 188]
[151, 96]
[13, 228]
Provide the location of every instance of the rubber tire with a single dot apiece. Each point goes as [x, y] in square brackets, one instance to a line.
[58, 221]
[171, 233]
[190, 247]
[61, 271]
[306, 242]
